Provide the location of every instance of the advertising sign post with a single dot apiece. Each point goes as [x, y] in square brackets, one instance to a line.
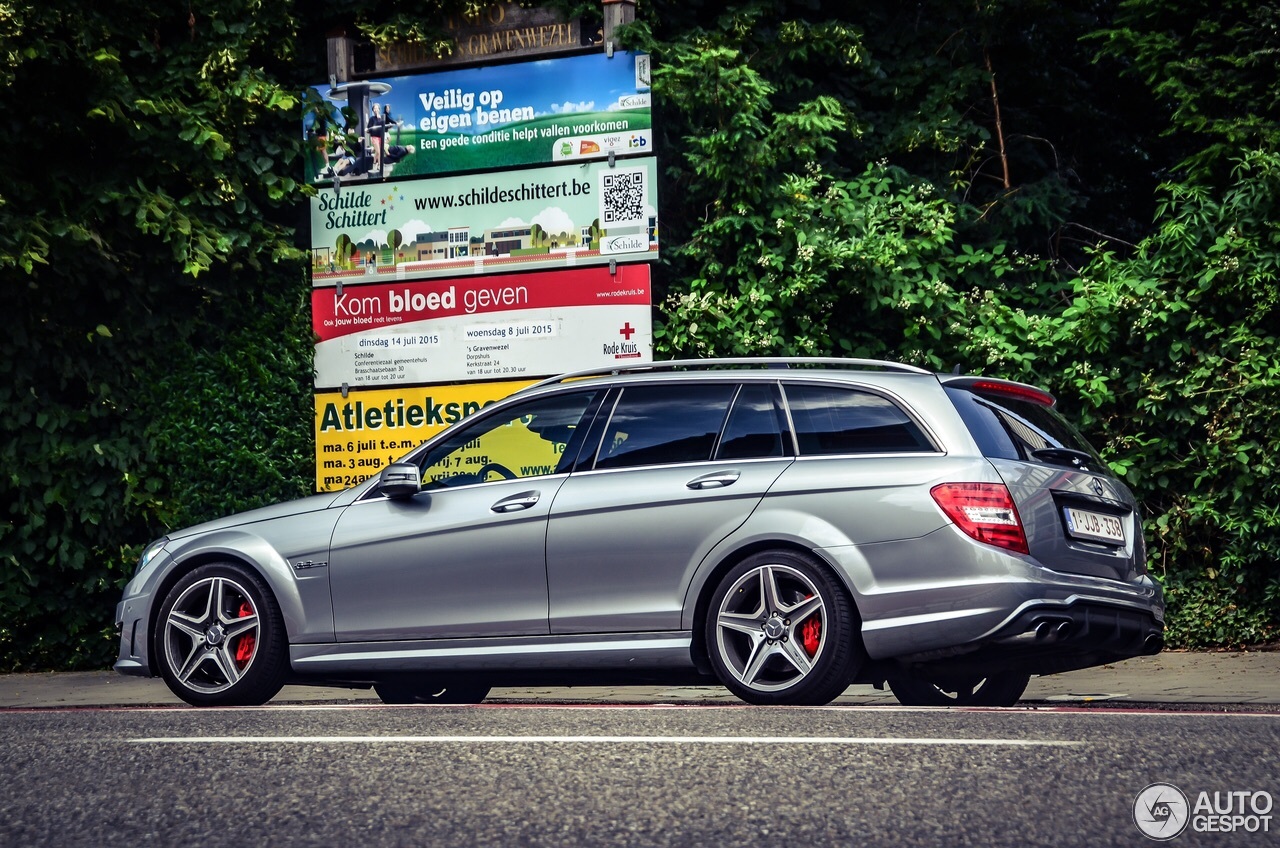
[532, 219]
[481, 328]
[473, 230]
[555, 110]
[360, 434]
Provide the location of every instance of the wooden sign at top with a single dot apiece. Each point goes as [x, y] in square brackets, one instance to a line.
[501, 31]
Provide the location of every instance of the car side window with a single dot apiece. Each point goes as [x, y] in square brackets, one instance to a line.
[664, 424]
[529, 440]
[837, 420]
[756, 425]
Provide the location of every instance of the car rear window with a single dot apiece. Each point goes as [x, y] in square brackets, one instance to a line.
[836, 420]
[1007, 427]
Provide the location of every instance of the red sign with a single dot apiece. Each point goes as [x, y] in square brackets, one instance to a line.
[507, 327]
[380, 305]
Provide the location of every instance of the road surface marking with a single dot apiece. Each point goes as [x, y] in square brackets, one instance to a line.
[623, 740]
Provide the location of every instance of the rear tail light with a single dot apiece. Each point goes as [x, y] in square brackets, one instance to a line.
[983, 511]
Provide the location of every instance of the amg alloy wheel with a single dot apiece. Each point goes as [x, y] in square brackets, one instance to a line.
[220, 638]
[781, 630]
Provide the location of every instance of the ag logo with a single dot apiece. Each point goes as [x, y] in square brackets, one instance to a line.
[1161, 811]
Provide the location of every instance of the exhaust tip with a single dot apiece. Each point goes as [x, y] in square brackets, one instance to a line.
[1154, 644]
[1052, 630]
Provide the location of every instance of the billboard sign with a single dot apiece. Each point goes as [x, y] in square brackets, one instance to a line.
[359, 434]
[490, 328]
[557, 216]
[573, 108]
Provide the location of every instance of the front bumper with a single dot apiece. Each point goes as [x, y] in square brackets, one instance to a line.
[131, 623]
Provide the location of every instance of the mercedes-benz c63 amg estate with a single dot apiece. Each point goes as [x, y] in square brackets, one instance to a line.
[783, 527]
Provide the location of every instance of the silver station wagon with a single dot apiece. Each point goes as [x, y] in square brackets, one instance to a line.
[781, 527]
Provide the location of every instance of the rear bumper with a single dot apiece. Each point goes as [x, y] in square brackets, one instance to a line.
[1049, 639]
[945, 600]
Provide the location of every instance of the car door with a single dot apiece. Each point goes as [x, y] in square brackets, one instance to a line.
[674, 473]
[466, 556]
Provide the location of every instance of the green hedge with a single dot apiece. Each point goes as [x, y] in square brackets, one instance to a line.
[834, 180]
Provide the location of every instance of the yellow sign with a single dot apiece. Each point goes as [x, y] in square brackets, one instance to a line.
[360, 434]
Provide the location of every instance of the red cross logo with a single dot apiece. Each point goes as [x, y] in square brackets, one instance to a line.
[627, 330]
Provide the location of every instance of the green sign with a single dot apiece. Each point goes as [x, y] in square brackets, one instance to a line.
[577, 108]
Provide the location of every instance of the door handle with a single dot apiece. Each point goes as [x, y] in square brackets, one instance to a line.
[515, 503]
[714, 480]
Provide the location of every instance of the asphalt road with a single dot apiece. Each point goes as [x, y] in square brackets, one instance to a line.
[610, 775]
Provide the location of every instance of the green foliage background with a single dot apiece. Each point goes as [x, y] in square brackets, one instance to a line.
[1085, 195]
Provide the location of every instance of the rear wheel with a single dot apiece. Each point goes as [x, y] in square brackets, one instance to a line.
[781, 630]
[220, 638]
[422, 691]
[1001, 689]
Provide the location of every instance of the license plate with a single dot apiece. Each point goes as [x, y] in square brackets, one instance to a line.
[1095, 526]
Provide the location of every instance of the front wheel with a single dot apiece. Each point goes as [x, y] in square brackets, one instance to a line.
[1001, 689]
[781, 630]
[220, 638]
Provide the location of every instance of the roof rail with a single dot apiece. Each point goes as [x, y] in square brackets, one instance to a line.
[741, 361]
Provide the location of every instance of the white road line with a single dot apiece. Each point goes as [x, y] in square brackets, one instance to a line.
[596, 740]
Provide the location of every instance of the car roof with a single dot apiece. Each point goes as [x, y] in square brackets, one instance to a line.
[743, 366]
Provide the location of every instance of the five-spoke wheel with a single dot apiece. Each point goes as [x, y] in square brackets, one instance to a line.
[781, 630]
[220, 638]
[999, 689]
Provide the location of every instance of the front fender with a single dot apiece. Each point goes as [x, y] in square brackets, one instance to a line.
[290, 552]
[303, 594]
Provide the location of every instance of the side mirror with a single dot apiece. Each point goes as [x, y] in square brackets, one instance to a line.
[400, 480]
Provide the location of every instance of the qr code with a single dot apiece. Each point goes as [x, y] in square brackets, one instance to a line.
[623, 196]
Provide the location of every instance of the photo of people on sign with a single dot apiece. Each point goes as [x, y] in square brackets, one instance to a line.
[546, 218]
[532, 113]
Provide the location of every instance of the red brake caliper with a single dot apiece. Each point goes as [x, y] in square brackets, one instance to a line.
[811, 632]
[244, 648]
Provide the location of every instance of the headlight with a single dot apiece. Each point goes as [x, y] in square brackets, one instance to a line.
[149, 553]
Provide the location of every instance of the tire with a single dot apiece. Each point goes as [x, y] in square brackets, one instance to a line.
[781, 630]
[220, 638]
[427, 691]
[995, 690]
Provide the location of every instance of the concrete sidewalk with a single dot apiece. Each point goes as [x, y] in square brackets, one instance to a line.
[1173, 677]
